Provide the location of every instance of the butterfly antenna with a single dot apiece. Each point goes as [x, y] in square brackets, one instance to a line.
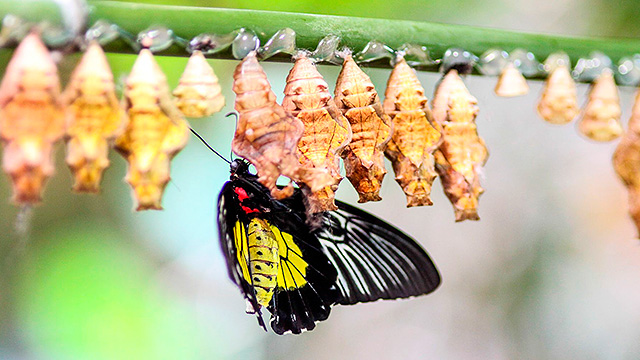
[209, 146]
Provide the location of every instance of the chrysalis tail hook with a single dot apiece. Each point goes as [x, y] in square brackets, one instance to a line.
[234, 113]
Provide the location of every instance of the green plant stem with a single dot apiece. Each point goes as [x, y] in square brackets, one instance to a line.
[187, 22]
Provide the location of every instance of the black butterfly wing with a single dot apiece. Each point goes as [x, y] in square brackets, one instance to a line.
[297, 305]
[232, 229]
[374, 260]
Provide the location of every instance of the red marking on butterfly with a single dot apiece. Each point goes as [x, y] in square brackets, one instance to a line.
[242, 196]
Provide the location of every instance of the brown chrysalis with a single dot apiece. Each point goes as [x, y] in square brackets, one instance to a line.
[415, 134]
[462, 154]
[266, 135]
[358, 100]
[326, 130]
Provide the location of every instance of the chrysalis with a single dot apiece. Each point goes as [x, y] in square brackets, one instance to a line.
[462, 154]
[626, 161]
[198, 93]
[601, 119]
[94, 118]
[266, 135]
[511, 82]
[559, 101]
[31, 118]
[156, 131]
[326, 131]
[415, 134]
[358, 100]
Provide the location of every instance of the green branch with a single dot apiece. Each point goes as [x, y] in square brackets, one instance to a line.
[187, 22]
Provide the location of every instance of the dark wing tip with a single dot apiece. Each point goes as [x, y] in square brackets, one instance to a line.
[298, 310]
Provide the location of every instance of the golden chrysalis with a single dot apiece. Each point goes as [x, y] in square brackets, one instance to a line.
[326, 130]
[94, 118]
[156, 131]
[198, 93]
[511, 82]
[559, 101]
[31, 118]
[415, 134]
[358, 100]
[626, 162]
[462, 154]
[601, 119]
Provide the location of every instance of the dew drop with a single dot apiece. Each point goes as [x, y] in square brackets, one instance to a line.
[103, 32]
[245, 42]
[415, 55]
[459, 59]
[555, 60]
[374, 50]
[13, 30]
[283, 41]
[156, 38]
[211, 43]
[492, 62]
[588, 69]
[326, 50]
[526, 62]
[629, 70]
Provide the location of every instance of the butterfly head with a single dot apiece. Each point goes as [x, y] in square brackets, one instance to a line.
[239, 167]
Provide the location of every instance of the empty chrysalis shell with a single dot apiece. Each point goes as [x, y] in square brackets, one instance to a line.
[358, 100]
[266, 135]
[326, 130]
[198, 93]
[462, 154]
[601, 119]
[31, 118]
[559, 101]
[626, 162]
[94, 118]
[415, 134]
[511, 82]
[156, 131]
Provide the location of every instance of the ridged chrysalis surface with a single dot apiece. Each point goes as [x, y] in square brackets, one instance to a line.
[326, 130]
[94, 118]
[156, 131]
[415, 134]
[462, 154]
[198, 93]
[266, 135]
[358, 100]
[31, 118]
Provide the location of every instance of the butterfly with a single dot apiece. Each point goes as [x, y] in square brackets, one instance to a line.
[298, 267]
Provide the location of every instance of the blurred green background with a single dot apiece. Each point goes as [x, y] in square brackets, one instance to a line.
[550, 272]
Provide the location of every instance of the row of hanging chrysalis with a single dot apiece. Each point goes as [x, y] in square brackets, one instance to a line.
[148, 129]
[304, 137]
[93, 119]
